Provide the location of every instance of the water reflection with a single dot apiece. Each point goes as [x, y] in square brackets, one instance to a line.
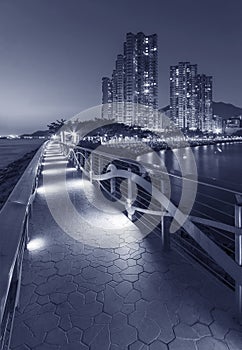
[221, 162]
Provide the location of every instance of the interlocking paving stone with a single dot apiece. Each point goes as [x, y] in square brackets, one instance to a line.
[148, 330]
[201, 329]
[65, 323]
[131, 296]
[157, 345]
[56, 336]
[122, 334]
[74, 335]
[46, 347]
[124, 288]
[211, 343]
[222, 323]
[234, 339]
[112, 301]
[38, 327]
[185, 332]
[74, 346]
[182, 344]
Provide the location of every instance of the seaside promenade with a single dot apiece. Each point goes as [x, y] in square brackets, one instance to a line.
[76, 294]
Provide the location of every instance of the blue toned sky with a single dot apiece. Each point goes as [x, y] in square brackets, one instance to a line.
[53, 53]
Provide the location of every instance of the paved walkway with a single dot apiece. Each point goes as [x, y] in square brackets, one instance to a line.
[127, 295]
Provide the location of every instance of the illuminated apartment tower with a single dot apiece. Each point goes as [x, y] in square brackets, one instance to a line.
[107, 98]
[135, 82]
[141, 79]
[118, 90]
[205, 101]
[183, 95]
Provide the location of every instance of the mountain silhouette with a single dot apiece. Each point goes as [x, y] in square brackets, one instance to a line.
[224, 110]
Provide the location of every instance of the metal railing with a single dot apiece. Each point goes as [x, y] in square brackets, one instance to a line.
[211, 234]
[14, 219]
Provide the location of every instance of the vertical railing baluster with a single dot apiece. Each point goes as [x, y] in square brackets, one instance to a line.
[90, 166]
[238, 252]
[82, 160]
[113, 186]
[129, 187]
[130, 196]
[165, 222]
[62, 138]
[85, 160]
[165, 232]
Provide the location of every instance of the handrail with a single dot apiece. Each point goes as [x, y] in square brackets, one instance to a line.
[226, 262]
[216, 224]
[146, 185]
[101, 153]
[14, 221]
[119, 173]
[186, 178]
[149, 167]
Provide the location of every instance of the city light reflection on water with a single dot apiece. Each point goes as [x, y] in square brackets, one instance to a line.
[224, 165]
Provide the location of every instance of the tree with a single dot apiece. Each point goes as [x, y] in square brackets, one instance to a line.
[54, 127]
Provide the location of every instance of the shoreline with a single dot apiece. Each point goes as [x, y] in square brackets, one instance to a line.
[10, 175]
[193, 144]
[139, 148]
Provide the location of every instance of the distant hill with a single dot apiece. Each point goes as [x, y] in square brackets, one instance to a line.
[224, 110]
[39, 133]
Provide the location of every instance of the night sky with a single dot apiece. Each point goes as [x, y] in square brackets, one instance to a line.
[53, 53]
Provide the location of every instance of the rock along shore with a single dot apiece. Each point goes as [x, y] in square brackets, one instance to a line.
[10, 175]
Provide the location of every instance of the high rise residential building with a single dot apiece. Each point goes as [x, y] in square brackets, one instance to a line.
[205, 102]
[183, 95]
[190, 97]
[107, 98]
[135, 82]
[118, 90]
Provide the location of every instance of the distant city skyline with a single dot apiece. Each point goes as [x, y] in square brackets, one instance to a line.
[53, 54]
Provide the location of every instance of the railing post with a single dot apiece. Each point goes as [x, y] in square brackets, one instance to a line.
[165, 223]
[238, 252]
[82, 160]
[99, 168]
[165, 232]
[113, 185]
[85, 160]
[130, 192]
[130, 198]
[99, 164]
[90, 169]
[62, 137]
[78, 161]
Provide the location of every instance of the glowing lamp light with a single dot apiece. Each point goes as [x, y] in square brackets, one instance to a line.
[35, 244]
[56, 162]
[50, 157]
[57, 171]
